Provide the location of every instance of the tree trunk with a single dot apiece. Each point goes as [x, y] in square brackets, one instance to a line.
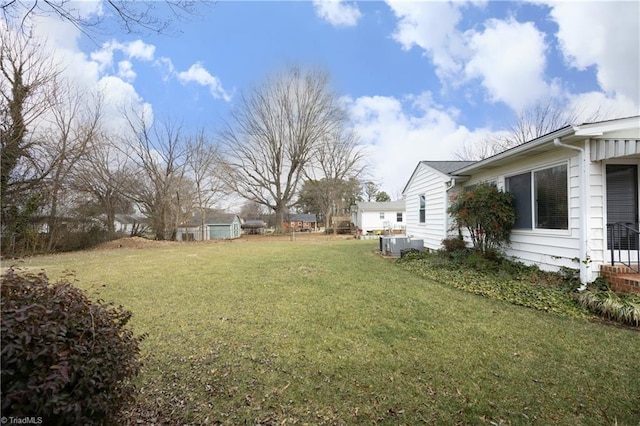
[279, 210]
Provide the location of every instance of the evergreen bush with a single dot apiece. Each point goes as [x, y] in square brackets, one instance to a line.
[65, 358]
[488, 215]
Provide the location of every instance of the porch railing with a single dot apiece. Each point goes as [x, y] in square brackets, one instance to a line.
[624, 238]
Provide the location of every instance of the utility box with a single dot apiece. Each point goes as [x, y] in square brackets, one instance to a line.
[393, 245]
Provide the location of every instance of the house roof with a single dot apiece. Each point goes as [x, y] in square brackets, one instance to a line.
[447, 167]
[300, 217]
[545, 143]
[212, 217]
[444, 167]
[397, 205]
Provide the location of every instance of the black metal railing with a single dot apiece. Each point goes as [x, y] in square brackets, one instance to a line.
[624, 238]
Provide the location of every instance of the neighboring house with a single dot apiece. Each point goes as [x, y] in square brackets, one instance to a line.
[574, 190]
[217, 226]
[129, 225]
[300, 222]
[379, 217]
[253, 226]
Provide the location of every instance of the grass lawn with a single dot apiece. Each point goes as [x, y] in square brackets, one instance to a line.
[323, 331]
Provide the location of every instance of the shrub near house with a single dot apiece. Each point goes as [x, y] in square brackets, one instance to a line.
[487, 214]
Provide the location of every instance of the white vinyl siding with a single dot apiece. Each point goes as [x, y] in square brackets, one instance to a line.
[432, 185]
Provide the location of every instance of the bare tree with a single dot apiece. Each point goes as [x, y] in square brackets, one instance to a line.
[157, 153]
[132, 16]
[370, 190]
[203, 165]
[338, 162]
[72, 128]
[276, 129]
[104, 174]
[539, 120]
[26, 77]
[251, 210]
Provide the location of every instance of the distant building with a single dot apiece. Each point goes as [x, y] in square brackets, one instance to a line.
[379, 217]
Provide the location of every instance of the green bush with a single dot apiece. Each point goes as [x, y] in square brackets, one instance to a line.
[451, 245]
[64, 358]
[487, 214]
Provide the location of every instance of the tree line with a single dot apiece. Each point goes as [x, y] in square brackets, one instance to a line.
[66, 174]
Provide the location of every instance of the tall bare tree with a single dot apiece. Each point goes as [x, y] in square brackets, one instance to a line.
[338, 161]
[203, 166]
[157, 151]
[276, 128]
[26, 77]
[531, 123]
[103, 175]
[73, 126]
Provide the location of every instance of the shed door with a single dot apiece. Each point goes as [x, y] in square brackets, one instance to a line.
[622, 202]
[218, 232]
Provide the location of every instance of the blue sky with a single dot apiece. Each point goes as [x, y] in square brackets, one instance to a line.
[420, 79]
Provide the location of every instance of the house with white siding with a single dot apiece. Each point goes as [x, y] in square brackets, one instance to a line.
[575, 193]
[379, 217]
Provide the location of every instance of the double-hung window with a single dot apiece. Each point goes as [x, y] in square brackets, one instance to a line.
[423, 209]
[540, 198]
[399, 217]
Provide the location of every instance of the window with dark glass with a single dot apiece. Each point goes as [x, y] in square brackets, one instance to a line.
[540, 198]
[552, 204]
[520, 187]
[399, 217]
[423, 209]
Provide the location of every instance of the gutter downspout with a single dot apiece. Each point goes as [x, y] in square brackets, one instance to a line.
[584, 234]
[451, 183]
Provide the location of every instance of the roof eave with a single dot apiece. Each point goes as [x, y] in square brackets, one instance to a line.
[536, 143]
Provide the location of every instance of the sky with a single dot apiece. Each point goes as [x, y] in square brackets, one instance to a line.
[418, 79]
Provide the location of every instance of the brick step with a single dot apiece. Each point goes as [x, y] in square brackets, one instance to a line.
[622, 278]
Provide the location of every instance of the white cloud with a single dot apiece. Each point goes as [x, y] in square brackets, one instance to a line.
[125, 71]
[432, 26]
[136, 49]
[509, 57]
[139, 50]
[594, 106]
[166, 66]
[198, 74]
[604, 35]
[397, 139]
[120, 96]
[88, 74]
[337, 12]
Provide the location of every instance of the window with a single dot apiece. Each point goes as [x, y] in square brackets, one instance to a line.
[382, 215]
[540, 198]
[552, 206]
[399, 217]
[520, 187]
[423, 209]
